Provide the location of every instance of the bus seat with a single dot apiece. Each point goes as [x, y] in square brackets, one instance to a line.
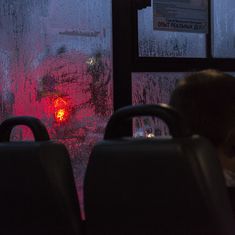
[140, 186]
[37, 190]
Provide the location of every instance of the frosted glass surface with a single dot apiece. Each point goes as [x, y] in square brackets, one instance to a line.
[152, 88]
[223, 28]
[167, 44]
[55, 64]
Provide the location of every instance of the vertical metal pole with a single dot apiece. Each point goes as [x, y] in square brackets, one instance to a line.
[122, 52]
[122, 56]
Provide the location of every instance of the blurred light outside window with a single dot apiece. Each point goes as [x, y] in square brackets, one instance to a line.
[55, 64]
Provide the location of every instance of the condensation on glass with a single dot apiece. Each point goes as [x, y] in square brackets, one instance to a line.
[152, 88]
[154, 43]
[223, 28]
[55, 64]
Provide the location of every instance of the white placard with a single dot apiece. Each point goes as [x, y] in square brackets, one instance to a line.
[181, 15]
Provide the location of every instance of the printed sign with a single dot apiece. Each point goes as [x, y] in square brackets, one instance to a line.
[181, 15]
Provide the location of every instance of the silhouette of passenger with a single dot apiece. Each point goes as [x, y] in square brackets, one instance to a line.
[207, 101]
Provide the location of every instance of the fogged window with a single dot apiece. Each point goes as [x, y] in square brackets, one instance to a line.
[187, 44]
[55, 64]
[152, 88]
[223, 28]
[167, 44]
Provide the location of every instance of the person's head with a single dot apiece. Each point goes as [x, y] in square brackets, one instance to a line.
[206, 99]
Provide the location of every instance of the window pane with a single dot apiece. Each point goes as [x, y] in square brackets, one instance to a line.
[167, 44]
[152, 88]
[224, 28]
[55, 64]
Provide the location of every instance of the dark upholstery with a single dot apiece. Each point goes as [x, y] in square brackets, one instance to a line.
[37, 190]
[156, 186]
[231, 193]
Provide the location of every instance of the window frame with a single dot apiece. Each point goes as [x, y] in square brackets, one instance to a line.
[126, 59]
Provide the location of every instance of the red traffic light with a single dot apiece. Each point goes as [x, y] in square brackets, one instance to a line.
[62, 109]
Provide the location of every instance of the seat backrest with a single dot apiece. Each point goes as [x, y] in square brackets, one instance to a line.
[37, 190]
[155, 186]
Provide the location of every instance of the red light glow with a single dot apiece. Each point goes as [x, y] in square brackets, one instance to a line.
[61, 115]
[61, 110]
[60, 102]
